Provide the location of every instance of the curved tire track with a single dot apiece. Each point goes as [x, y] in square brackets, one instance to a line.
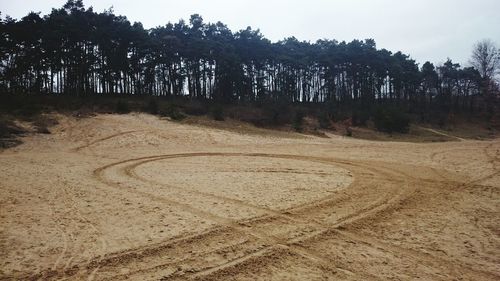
[376, 207]
[303, 213]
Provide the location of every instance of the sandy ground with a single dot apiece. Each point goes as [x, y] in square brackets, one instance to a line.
[133, 197]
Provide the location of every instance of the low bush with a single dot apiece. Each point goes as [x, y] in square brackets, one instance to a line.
[298, 120]
[9, 132]
[348, 131]
[218, 113]
[360, 117]
[195, 108]
[324, 120]
[8, 129]
[43, 123]
[151, 107]
[391, 119]
[122, 107]
[276, 114]
[170, 110]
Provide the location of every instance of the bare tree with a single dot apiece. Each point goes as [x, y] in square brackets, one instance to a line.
[486, 59]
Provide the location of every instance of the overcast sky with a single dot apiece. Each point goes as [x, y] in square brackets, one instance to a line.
[425, 29]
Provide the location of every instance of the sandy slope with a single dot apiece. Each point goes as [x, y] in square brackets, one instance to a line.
[134, 197]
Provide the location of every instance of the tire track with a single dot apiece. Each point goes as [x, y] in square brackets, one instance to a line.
[378, 192]
[232, 224]
[274, 240]
[76, 149]
[130, 171]
[494, 159]
[270, 243]
[98, 233]
[424, 258]
[442, 134]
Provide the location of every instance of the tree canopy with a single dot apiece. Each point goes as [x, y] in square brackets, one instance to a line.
[77, 51]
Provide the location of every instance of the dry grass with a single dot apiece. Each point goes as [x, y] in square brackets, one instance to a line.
[240, 127]
[10, 132]
[416, 134]
[471, 130]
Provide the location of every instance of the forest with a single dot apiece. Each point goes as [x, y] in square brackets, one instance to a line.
[75, 51]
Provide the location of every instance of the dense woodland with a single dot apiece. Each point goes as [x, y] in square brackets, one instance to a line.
[77, 51]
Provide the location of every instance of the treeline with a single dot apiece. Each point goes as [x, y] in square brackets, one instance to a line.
[77, 51]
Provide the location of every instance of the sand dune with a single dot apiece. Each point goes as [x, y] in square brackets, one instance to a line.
[133, 197]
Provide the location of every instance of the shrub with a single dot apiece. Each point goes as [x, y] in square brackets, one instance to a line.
[8, 129]
[276, 113]
[29, 109]
[391, 119]
[360, 117]
[151, 107]
[348, 131]
[9, 132]
[324, 120]
[298, 120]
[42, 130]
[43, 123]
[249, 114]
[122, 107]
[195, 108]
[170, 110]
[218, 113]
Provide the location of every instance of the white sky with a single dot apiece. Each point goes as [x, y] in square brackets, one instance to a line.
[425, 29]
